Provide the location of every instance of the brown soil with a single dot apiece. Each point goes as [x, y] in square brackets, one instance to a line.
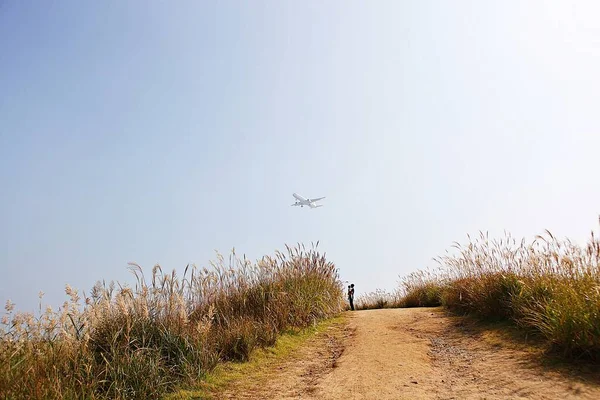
[418, 354]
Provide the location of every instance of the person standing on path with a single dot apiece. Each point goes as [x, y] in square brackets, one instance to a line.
[351, 296]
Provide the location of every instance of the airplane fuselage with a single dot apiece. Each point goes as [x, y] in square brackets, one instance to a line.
[301, 201]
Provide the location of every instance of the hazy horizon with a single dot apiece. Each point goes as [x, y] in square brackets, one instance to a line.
[151, 133]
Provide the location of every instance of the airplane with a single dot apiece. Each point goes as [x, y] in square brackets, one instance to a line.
[301, 201]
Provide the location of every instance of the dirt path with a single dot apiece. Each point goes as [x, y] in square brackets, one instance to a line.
[418, 354]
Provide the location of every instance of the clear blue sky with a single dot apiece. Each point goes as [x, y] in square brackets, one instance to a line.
[159, 132]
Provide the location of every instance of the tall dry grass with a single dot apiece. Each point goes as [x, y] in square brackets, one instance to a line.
[420, 289]
[417, 289]
[167, 331]
[377, 299]
[549, 286]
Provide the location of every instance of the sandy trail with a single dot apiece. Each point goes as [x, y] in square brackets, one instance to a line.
[417, 354]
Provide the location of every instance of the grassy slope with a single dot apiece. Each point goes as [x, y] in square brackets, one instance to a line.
[257, 368]
[549, 287]
[142, 342]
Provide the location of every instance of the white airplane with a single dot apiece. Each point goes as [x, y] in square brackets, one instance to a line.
[301, 201]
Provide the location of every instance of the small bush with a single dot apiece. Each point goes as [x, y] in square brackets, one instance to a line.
[420, 289]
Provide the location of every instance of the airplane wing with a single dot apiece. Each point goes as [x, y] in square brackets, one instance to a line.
[317, 199]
